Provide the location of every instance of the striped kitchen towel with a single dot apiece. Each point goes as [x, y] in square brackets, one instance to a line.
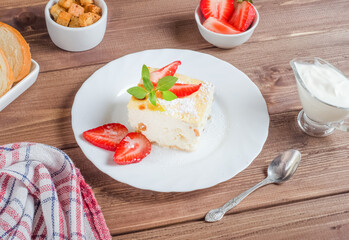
[44, 196]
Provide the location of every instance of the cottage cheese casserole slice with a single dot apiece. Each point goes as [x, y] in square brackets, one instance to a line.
[175, 124]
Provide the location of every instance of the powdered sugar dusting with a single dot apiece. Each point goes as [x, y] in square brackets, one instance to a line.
[189, 107]
[205, 89]
[179, 106]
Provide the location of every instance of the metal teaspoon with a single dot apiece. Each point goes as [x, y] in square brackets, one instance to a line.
[279, 170]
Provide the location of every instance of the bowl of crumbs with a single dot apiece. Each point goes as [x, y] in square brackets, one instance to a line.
[76, 25]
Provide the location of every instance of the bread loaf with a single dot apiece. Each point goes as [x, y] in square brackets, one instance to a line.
[6, 74]
[16, 50]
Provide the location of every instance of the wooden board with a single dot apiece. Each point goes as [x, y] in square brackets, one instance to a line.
[313, 205]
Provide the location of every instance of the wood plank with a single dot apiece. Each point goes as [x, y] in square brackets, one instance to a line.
[10, 4]
[323, 218]
[128, 209]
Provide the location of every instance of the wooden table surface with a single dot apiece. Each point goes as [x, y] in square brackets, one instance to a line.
[313, 205]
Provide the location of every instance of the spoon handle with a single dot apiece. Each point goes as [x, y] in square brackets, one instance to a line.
[235, 201]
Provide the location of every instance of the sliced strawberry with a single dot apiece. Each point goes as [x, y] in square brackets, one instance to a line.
[132, 149]
[168, 70]
[183, 90]
[107, 136]
[243, 15]
[219, 26]
[220, 9]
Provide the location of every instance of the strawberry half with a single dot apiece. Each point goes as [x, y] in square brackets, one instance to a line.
[168, 70]
[220, 9]
[243, 15]
[183, 90]
[107, 136]
[219, 26]
[132, 149]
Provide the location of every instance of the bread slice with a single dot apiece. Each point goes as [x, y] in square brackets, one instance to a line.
[17, 51]
[6, 74]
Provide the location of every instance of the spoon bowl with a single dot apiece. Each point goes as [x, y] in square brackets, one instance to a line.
[284, 166]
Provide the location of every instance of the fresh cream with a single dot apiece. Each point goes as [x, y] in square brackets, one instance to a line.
[325, 83]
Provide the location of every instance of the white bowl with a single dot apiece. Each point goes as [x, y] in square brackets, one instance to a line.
[76, 39]
[21, 86]
[224, 40]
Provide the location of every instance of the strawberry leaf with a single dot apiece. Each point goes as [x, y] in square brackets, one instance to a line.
[168, 96]
[146, 78]
[166, 83]
[152, 98]
[137, 92]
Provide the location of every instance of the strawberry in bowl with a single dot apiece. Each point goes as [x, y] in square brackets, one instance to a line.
[225, 24]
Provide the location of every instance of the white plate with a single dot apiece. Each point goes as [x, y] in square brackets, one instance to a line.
[234, 136]
[21, 86]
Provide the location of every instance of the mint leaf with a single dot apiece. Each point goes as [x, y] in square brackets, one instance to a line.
[137, 92]
[163, 85]
[146, 78]
[152, 98]
[168, 96]
[166, 83]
